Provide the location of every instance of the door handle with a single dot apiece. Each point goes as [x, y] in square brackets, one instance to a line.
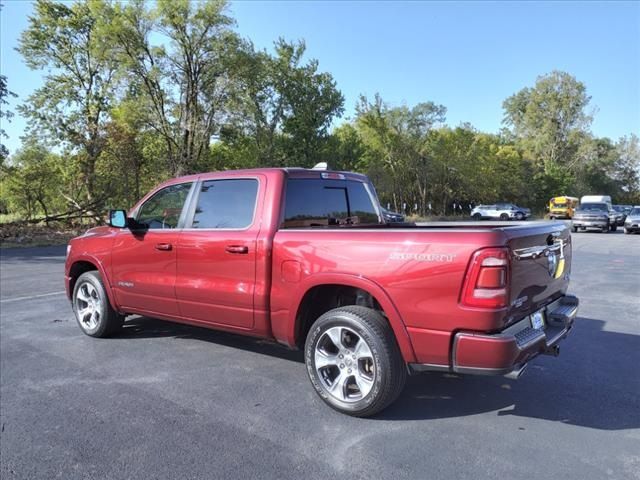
[164, 246]
[237, 249]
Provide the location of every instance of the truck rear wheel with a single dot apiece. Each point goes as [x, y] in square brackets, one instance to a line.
[353, 361]
[95, 315]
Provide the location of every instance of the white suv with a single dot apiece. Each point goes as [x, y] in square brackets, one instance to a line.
[500, 211]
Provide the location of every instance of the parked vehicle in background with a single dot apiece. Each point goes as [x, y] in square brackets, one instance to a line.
[562, 207]
[615, 218]
[632, 222]
[500, 211]
[597, 199]
[621, 214]
[303, 257]
[593, 215]
[391, 217]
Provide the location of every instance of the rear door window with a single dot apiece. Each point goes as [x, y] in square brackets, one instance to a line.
[226, 204]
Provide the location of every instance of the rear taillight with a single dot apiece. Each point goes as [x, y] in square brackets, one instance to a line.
[486, 283]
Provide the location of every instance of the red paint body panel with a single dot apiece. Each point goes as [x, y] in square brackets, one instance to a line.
[415, 273]
[143, 276]
[484, 352]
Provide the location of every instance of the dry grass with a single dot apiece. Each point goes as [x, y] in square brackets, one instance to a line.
[26, 235]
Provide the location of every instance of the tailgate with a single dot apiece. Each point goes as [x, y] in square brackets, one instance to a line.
[540, 266]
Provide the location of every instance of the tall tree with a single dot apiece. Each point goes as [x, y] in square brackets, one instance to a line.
[549, 122]
[285, 106]
[73, 103]
[4, 114]
[177, 53]
[626, 170]
[313, 101]
[398, 136]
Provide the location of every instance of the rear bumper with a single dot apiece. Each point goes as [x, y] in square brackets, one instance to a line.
[507, 352]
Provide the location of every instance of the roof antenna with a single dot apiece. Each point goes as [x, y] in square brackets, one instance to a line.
[320, 166]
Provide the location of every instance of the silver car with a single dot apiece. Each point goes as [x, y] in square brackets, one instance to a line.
[500, 211]
[632, 222]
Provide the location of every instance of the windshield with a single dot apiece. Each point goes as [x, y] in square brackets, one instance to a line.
[593, 207]
[559, 205]
[635, 212]
[618, 208]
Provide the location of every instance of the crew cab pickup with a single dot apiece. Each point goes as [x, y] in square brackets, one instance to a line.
[304, 257]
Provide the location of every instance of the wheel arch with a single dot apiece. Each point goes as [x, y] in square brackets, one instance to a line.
[85, 264]
[323, 292]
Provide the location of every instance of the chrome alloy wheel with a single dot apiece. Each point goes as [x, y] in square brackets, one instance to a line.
[88, 306]
[344, 364]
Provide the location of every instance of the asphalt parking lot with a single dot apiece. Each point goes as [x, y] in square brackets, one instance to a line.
[169, 401]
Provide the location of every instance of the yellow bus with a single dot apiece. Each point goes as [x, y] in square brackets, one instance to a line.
[562, 207]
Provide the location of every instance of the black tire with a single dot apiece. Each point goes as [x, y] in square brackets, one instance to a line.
[108, 321]
[575, 229]
[626, 231]
[476, 216]
[551, 217]
[519, 216]
[504, 216]
[614, 227]
[389, 370]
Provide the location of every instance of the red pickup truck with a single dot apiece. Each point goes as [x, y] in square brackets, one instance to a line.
[304, 257]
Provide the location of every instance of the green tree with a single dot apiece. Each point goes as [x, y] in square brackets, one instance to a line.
[626, 171]
[4, 114]
[313, 101]
[73, 103]
[344, 149]
[549, 123]
[285, 106]
[33, 182]
[397, 138]
[184, 82]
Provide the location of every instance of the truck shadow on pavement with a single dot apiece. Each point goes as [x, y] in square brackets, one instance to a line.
[594, 383]
[144, 327]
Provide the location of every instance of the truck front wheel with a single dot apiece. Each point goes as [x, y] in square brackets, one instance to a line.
[95, 315]
[354, 362]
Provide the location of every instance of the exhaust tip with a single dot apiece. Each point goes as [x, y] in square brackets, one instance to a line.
[516, 372]
[554, 351]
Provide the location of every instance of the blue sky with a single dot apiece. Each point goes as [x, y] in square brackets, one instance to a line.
[468, 56]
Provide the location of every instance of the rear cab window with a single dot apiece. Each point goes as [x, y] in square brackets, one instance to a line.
[313, 202]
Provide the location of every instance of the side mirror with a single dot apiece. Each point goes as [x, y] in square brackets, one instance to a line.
[118, 218]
